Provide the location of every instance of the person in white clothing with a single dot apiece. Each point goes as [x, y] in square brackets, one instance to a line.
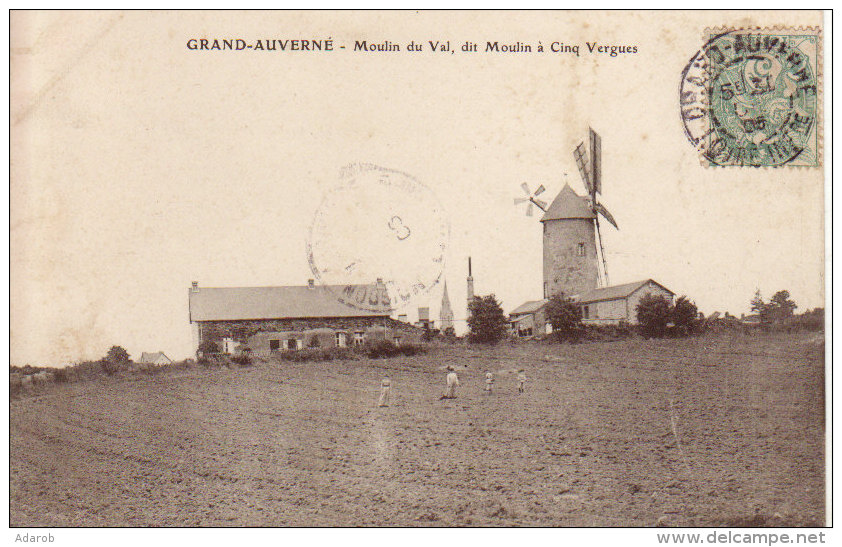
[452, 383]
[521, 379]
[385, 388]
[489, 381]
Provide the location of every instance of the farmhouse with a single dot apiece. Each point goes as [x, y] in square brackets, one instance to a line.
[606, 306]
[617, 304]
[156, 358]
[289, 318]
[529, 319]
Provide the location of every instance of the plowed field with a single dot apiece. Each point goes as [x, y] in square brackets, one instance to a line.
[724, 430]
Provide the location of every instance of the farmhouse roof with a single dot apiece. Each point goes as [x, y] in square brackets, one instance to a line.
[291, 302]
[568, 204]
[528, 307]
[616, 291]
[152, 357]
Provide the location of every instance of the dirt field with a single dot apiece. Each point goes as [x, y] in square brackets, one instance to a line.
[590, 443]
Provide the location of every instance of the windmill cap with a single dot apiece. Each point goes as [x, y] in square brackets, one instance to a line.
[568, 204]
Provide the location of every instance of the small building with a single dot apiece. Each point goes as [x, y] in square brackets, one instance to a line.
[264, 320]
[156, 358]
[530, 319]
[618, 304]
[424, 321]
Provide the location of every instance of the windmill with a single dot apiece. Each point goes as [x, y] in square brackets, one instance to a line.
[532, 199]
[591, 172]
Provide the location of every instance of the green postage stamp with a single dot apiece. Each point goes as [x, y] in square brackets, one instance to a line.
[752, 97]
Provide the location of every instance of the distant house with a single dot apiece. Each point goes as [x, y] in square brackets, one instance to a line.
[291, 318]
[530, 319]
[424, 321]
[156, 358]
[618, 304]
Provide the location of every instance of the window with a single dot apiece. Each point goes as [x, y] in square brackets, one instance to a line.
[274, 345]
[581, 249]
[291, 343]
[341, 340]
[359, 337]
[586, 312]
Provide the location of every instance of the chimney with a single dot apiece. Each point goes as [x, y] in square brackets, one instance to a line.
[194, 286]
[470, 283]
[311, 283]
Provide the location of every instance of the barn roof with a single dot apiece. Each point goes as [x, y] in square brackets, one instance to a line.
[152, 357]
[291, 302]
[616, 291]
[568, 204]
[528, 307]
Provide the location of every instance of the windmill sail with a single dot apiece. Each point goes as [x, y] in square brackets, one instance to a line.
[596, 162]
[600, 208]
[581, 156]
[540, 203]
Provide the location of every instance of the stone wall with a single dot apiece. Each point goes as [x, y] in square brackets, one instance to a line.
[565, 270]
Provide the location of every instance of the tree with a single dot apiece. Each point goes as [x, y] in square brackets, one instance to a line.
[781, 306]
[760, 307]
[564, 316]
[449, 333]
[486, 320]
[114, 359]
[117, 355]
[653, 314]
[685, 315]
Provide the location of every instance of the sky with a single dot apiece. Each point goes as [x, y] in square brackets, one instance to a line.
[139, 165]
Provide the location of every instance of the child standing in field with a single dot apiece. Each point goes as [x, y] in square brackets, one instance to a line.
[489, 381]
[521, 379]
[385, 387]
[452, 382]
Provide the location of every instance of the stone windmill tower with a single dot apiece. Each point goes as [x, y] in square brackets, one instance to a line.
[571, 263]
[572, 240]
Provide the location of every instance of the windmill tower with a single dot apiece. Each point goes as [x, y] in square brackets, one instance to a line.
[571, 264]
[573, 250]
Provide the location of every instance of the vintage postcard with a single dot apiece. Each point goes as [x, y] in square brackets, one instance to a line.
[418, 269]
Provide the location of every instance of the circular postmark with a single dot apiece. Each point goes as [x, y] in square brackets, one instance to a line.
[378, 239]
[749, 98]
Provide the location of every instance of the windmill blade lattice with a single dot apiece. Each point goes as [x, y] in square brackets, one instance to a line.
[532, 199]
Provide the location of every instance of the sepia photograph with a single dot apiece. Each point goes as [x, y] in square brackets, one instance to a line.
[330, 269]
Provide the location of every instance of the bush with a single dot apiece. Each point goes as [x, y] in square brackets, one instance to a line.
[316, 354]
[412, 349]
[653, 314]
[606, 333]
[244, 359]
[685, 316]
[565, 317]
[61, 375]
[206, 349]
[486, 320]
[380, 349]
[109, 367]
